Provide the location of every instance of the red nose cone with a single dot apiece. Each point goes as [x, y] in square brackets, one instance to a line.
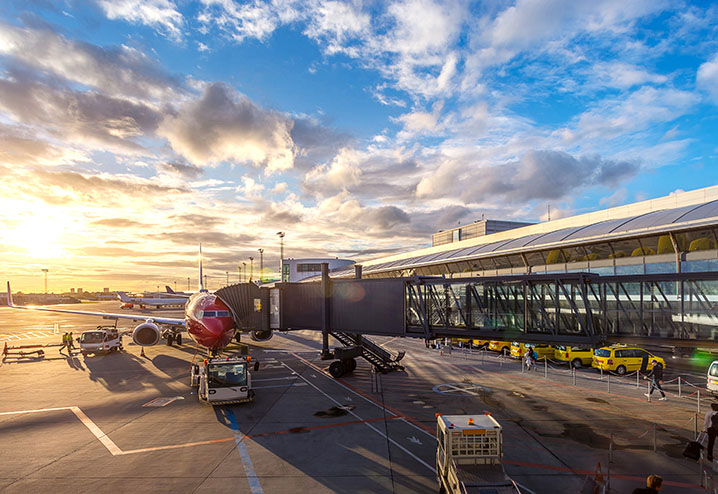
[209, 321]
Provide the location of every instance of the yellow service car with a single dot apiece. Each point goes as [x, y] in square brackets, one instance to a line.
[480, 343]
[469, 343]
[518, 350]
[622, 359]
[500, 346]
[575, 355]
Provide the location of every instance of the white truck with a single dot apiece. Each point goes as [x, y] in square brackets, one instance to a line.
[222, 381]
[469, 456]
[104, 339]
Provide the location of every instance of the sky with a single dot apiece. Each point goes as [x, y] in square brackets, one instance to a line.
[131, 131]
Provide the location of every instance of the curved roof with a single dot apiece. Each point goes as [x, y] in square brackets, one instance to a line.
[639, 225]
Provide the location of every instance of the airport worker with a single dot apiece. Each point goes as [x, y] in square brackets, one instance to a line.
[71, 340]
[710, 426]
[656, 376]
[64, 341]
[653, 485]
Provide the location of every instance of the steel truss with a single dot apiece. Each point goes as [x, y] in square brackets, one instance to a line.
[579, 308]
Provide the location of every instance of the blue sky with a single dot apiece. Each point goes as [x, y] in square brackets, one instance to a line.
[132, 130]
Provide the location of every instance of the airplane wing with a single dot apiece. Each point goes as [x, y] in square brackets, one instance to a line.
[106, 315]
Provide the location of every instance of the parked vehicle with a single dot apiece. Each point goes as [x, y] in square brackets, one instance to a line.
[574, 355]
[712, 378]
[622, 359]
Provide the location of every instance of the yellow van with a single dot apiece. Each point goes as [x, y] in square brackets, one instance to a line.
[480, 343]
[575, 355]
[500, 346]
[518, 350]
[622, 359]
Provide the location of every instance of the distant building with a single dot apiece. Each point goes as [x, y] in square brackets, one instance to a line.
[105, 290]
[478, 228]
[72, 290]
[79, 290]
[297, 269]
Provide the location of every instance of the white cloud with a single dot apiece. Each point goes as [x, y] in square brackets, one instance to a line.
[160, 14]
[625, 76]
[342, 173]
[225, 126]
[417, 122]
[707, 78]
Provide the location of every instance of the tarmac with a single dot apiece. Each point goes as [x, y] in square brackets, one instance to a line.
[122, 422]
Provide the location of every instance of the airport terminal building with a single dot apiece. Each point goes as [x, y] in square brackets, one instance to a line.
[672, 234]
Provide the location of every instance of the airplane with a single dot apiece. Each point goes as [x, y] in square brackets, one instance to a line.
[129, 301]
[208, 321]
[169, 290]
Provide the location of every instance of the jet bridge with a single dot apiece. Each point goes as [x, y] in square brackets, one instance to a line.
[563, 308]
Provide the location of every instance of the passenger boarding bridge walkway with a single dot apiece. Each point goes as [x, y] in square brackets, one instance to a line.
[565, 308]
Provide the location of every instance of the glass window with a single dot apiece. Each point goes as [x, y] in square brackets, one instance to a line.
[220, 375]
[630, 269]
[456, 235]
[602, 352]
[713, 370]
[535, 259]
[626, 248]
[661, 267]
[91, 337]
[285, 272]
[556, 256]
[605, 271]
[699, 266]
[597, 251]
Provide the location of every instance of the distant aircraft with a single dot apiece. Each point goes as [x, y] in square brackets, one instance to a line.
[169, 290]
[207, 319]
[129, 301]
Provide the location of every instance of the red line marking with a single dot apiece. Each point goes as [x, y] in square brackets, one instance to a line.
[319, 427]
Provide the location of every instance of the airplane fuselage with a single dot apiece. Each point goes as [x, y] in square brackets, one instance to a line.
[209, 321]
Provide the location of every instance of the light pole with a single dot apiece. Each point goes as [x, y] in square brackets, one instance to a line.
[244, 271]
[239, 272]
[251, 268]
[175, 285]
[261, 264]
[227, 272]
[205, 282]
[281, 255]
[188, 288]
[45, 271]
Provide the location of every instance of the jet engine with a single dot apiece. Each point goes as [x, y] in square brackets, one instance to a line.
[261, 335]
[146, 334]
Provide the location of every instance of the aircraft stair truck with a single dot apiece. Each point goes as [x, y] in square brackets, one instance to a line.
[221, 381]
[469, 456]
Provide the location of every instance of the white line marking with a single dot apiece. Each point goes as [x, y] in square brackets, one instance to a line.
[274, 379]
[279, 386]
[366, 423]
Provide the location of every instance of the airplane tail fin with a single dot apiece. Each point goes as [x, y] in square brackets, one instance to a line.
[9, 296]
[169, 289]
[201, 285]
[123, 296]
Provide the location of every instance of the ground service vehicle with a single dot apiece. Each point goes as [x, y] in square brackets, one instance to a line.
[221, 381]
[104, 339]
[712, 378]
[575, 355]
[622, 359]
[469, 456]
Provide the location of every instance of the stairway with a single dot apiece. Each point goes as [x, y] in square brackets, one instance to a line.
[380, 358]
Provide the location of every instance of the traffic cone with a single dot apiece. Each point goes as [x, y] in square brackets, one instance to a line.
[142, 353]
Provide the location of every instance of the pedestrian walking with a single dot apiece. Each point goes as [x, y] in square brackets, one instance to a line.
[653, 485]
[71, 341]
[64, 342]
[530, 358]
[656, 376]
[710, 426]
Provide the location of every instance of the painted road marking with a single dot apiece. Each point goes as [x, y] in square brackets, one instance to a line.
[254, 485]
[464, 389]
[26, 336]
[279, 386]
[162, 401]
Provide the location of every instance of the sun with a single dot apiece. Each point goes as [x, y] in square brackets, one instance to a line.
[40, 235]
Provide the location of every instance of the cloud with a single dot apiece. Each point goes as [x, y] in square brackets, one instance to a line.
[707, 78]
[418, 122]
[118, 70]
[253, 19]
[19, 147]
[336, 24]
[159, 14]
[224, 126]
[624, 75]
[343, 172]
[537, 175]
[180, 169]
[87, 117]
[119, 223]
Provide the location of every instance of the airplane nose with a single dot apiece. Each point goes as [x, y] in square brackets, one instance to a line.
[209, 332]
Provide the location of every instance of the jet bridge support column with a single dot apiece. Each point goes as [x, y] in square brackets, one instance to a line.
[326, 353]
